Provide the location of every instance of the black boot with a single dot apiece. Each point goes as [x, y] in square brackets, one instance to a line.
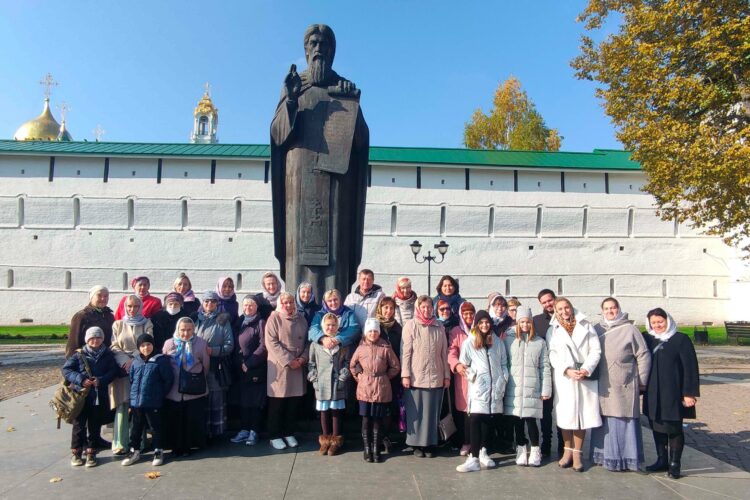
[367, 446]
[662, 461]
[676, 444]
[376, 444]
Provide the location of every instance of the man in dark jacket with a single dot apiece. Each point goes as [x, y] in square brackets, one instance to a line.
[541, 321]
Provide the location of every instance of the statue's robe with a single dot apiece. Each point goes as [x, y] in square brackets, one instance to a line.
[319, 168]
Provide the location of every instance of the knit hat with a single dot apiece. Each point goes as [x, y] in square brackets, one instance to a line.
[96, 289]
[93, 333]
[372, 324]
[144, 337]
[523, 312]
[210, 295]
[480, 315]
[175, 297]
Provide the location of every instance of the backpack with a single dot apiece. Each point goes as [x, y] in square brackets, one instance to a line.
[67, 402]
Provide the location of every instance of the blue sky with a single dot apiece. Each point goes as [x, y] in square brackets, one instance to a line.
[138, 68]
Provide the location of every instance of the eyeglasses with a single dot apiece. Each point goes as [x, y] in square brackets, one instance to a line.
[443, 309]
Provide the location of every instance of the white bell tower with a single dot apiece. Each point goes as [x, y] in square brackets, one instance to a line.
[205, 120]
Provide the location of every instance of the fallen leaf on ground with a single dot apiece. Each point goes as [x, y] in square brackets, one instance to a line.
[10, 429]
[152, 475]
[55, 480]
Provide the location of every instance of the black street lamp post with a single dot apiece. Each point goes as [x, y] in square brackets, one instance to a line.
[441, 247]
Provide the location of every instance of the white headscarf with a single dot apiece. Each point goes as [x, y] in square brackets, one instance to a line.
[663, 337]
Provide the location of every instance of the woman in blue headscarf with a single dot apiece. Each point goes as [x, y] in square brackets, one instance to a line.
[185, 414]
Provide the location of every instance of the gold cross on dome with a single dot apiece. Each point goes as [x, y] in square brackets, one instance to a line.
[48, 82]
[64, 108]
[99, 132]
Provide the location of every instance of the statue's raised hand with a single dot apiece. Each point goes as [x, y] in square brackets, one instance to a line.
[293, 83]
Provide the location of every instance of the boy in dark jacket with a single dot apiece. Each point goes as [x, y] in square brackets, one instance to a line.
[92, 367]
[151, 378]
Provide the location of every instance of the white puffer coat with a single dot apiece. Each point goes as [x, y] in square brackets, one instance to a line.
[487, 375]
[530, 376]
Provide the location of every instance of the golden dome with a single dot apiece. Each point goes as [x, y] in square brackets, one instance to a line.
[206, 106]
[42, 128]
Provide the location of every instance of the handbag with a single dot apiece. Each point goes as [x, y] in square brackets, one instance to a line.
[193, 384]
[67, 402]
[446, 426]
[593, 375]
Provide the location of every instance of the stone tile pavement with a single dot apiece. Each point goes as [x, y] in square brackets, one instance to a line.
[32, 452]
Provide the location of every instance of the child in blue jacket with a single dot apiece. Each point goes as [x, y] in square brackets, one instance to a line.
[151, 379]
[92, 367]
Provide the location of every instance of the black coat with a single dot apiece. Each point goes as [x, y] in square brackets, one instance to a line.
[164, 326]
[541, 324]
[674, 374]
[393, 337]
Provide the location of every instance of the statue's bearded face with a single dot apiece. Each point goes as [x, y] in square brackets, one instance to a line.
[318, 51]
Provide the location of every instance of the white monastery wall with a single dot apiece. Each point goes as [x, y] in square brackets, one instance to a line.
[515, 232]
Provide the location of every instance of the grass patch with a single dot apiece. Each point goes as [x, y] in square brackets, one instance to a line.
[35, 330]
[717, 335]
[34, 334]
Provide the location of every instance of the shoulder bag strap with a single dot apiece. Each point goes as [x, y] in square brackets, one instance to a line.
[85, 363]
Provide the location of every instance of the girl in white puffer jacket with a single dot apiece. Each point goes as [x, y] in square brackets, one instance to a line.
[484, 356]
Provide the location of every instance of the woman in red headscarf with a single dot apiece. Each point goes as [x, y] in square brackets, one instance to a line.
[151, 304]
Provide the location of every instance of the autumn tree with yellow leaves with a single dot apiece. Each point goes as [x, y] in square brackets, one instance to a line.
[675, 79]
[513, 123]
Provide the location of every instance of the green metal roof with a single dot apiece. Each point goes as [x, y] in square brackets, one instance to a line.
[599, 159]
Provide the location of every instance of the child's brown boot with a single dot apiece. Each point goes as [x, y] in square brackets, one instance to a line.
[336, 443]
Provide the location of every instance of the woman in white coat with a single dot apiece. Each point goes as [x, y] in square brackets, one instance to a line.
[574, 353]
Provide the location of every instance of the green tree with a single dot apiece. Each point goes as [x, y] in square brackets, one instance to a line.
[513, 123]
[674, 78]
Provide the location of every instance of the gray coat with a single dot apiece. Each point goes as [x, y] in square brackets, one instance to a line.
[217, 332]
[530, 377]
[624, 365]
[329, 372]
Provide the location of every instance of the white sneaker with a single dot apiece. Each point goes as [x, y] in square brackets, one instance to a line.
[535, 456]
[470, 465]
[158, 458]
[291, 442]
[252, 439]
[521, 458]
[133, 457]
[485, 460]
[278, 443]
[240, 437]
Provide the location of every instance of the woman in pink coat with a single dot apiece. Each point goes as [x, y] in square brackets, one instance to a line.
[459, 386]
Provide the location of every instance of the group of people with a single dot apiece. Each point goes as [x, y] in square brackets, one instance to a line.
[176, 367]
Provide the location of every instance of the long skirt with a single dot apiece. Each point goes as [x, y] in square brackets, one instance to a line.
[617, 444]
[217, 412]
[185, 423]
[422, 415]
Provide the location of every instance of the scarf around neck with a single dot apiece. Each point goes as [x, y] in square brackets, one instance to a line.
[94, 354]
[569, 326]
[668, 334]
[138, 319]
[423, 320]
[184, 347]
